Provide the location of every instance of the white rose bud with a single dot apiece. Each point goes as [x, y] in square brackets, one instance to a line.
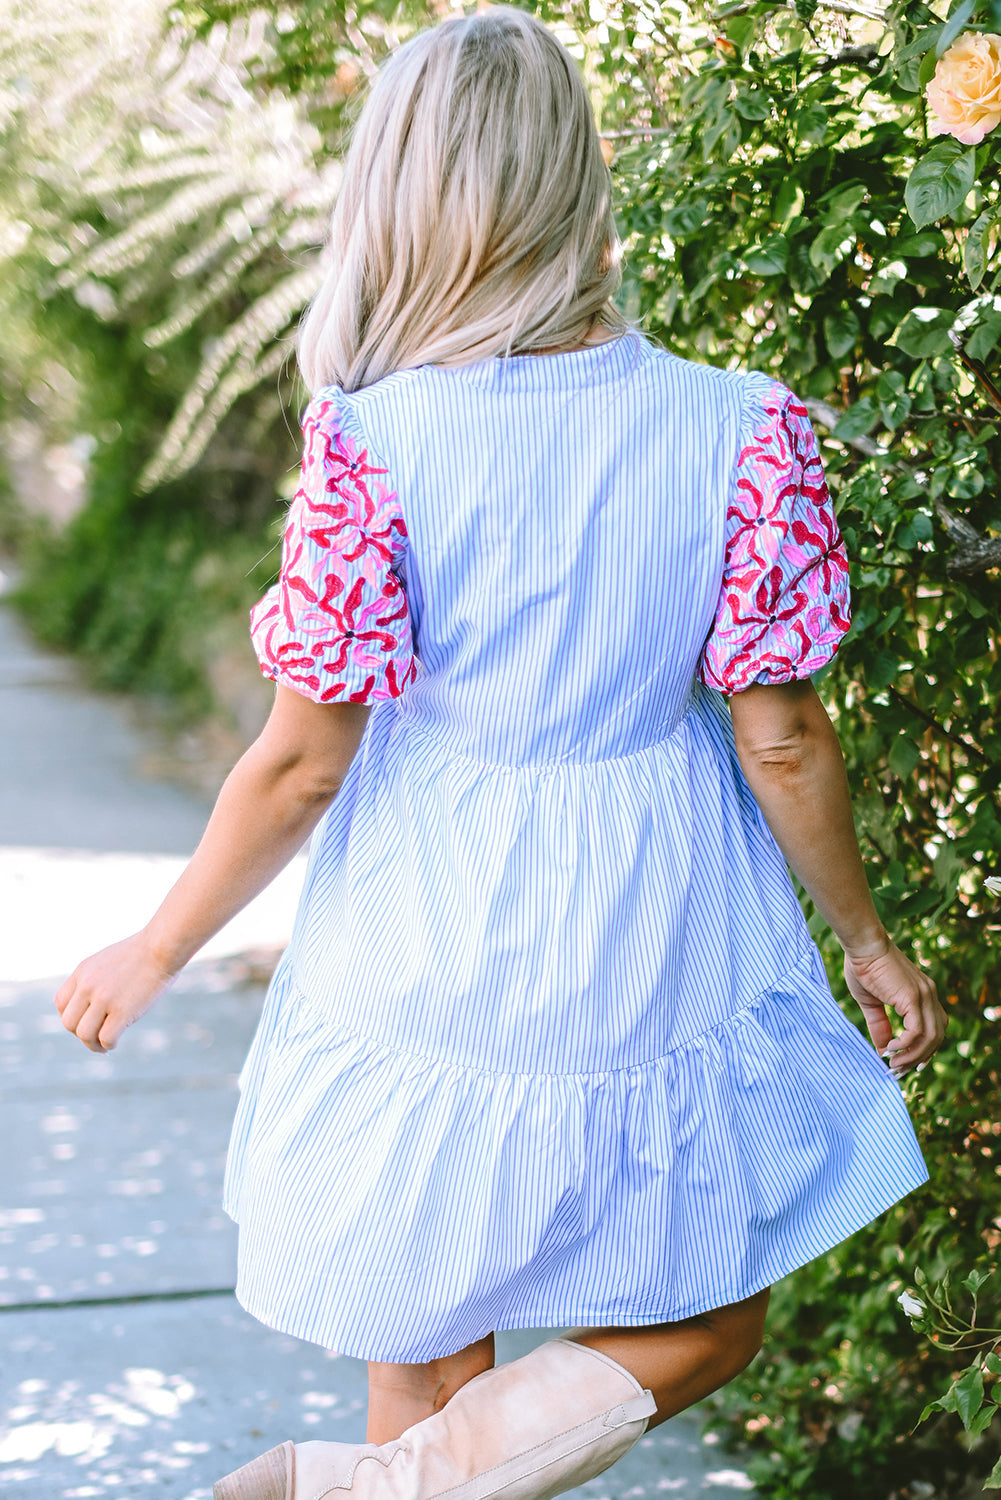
[912, 1307]
[993, 885]
[965, 93]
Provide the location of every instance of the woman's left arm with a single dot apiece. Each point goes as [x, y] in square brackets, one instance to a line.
[269, 804]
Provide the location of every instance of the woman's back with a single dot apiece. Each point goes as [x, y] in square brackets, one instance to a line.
[565, 517]
[588, 883]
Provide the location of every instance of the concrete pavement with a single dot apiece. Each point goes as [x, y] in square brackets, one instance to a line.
[127, 1367]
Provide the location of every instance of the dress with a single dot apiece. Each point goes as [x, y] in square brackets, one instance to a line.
[551, 1043]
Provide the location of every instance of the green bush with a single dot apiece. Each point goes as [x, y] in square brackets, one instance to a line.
[137, 584]
[769, 227]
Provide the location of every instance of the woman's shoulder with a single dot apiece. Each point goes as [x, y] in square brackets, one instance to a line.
[741, 388]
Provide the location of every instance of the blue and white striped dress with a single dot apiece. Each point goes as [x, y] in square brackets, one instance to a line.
[551, 1043]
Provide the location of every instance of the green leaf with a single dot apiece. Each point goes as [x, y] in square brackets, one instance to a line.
[831, 246]
[811, 124]
[925, 332]
[740, 29]
[969, 1389]
[770, 258]
[992, 1364]
[975, 1281]
[919, 45]
[975, 246]
[857, 420]
[993, 1480]
[907, 62]
[939, 182]
[725, 119]
[841, 330]
[880, 671]
[752, 104]
[788, 201]
[926, 69]
[930, 1410]
[894, 398]
[985, 336]
[844, 202]
[983, 1419]
[954, 25]
[903, 757]
[915, 245]
[684, 218]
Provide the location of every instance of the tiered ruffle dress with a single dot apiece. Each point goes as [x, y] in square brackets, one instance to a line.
[551, 1043]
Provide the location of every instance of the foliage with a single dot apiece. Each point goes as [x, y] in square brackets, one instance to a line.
[795, 217]
[784, 207]
[968, 1396]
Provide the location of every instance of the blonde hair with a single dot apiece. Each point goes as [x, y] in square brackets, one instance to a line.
[475, 211]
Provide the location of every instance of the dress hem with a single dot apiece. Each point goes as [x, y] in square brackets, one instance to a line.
[576, 1316]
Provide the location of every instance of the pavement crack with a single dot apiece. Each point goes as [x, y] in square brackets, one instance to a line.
[193, 1294]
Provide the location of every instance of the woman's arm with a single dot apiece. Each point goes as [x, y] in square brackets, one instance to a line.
[790, 755]
[268, 805]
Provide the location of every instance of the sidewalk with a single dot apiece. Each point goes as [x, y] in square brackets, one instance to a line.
[128, 1368]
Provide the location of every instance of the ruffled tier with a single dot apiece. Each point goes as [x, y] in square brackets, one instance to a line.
[395, 1207]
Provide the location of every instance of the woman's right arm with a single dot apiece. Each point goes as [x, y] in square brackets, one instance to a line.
[792, 760]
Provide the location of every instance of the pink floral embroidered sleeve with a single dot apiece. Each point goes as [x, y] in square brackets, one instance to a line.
[784, 601]
[335, 627]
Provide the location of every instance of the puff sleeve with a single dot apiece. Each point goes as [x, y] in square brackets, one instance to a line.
[784, 602]
[335, 627]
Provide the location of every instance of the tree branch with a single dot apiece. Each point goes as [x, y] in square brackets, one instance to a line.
[841, 6]
[640, 130]
[857, 55]
[829, 417]
[972, 552]
[976, 369]
[933, 723]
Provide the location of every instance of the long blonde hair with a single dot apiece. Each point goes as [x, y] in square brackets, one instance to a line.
[475, 211]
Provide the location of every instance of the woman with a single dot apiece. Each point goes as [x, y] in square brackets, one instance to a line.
[551, 1043]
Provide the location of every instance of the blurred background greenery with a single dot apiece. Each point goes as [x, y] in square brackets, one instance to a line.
[166, 172]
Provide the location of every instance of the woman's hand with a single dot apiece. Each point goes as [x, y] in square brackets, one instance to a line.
[269, 804]
[111, 989]
[886, 979]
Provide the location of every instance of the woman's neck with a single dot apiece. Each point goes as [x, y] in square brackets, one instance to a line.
[597, 333]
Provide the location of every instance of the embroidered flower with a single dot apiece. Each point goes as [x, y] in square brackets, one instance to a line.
[783, 604]
[338, 610]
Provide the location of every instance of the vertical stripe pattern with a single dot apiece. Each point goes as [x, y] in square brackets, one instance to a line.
[551, 1043]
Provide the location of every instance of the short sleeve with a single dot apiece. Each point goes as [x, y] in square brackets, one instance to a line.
[335, 627]
[784, 601]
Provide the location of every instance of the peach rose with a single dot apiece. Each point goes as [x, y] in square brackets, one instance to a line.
[965, 93]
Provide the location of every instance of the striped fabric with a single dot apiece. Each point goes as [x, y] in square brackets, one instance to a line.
[551, 1043]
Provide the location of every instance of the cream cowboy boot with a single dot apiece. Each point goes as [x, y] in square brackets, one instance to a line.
[528, 1430]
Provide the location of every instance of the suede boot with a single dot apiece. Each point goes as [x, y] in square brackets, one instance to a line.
[526, 1430]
